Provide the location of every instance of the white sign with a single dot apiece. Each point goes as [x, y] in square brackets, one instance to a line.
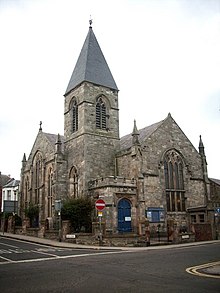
[70, 236]
[185, 236]
[127, 219]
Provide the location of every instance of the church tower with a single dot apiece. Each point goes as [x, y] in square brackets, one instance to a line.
[91, 118]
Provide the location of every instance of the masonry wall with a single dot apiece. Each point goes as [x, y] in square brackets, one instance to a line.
[89, 149]
[170, 136]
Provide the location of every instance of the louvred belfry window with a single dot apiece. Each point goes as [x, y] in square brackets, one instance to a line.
[100, 114]
[174, 182]
[74, 116]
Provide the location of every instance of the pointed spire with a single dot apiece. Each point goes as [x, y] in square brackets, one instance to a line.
[40, 128]
[201, 146]
[58, 144]
[91, 65]
[24, 162]
[135, 135]
[24, 158]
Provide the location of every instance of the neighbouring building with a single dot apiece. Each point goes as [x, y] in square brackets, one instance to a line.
[10, 193]
[154, 173]
[3, 180]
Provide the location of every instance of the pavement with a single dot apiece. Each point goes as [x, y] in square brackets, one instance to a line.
[212, 269]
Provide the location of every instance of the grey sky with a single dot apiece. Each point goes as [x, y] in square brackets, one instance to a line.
[164, 56]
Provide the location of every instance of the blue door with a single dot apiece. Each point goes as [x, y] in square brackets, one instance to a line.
[124, 215]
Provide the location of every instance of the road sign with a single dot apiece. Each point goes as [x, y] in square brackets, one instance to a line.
[100, 213]
[100, 204]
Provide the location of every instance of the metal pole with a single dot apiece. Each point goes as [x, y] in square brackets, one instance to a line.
[100, 230]
[3, 228]
[59, 214]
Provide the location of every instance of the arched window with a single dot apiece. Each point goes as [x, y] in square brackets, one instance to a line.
[101, 114]
[38, 169]
[26, 191]
[74, 110]
[174, 182]
[73, 182]
[49, 193]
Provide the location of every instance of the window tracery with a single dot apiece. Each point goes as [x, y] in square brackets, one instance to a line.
[37, 176]
[49, 193]
[73, 182]
[74, 114]
[174, 182]
[101, 114]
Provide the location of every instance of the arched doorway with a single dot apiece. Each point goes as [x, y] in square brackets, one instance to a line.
[124, 215]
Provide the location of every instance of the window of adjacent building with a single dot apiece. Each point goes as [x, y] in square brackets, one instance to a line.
[101, 114]
[9, 194]
[174, 182]
[74, 109]
[193, 218]
[201, 218]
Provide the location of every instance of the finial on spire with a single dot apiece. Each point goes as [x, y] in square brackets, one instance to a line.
[90, 22]
[40, 129]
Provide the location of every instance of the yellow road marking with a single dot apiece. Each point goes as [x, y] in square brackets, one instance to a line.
[194, 270]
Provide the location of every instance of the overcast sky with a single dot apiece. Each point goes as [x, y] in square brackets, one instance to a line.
[164, 56]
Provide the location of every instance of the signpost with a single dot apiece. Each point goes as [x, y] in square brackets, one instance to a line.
[100, 205]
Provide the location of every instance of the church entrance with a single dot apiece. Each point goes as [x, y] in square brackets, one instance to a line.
[124, 215]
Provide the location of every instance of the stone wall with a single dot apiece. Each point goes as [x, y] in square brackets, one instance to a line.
[89, 149]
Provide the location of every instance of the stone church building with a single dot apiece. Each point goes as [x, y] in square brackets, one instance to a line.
[153, 174]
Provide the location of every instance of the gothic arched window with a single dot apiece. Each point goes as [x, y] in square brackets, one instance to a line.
[74, 109]
[49, 192]
[38, 175]
[26, 191]
[174, 182]
[73, 182]
[101, 114]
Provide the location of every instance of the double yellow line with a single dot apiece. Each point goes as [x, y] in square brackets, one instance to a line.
[195, 270]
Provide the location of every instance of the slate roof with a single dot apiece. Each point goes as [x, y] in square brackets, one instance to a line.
[12, 183]
[91, 66]
[217, 181]
[53, 138]
[4, 179]
[126, 141]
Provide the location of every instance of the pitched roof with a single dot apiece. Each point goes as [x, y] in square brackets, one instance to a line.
[91, 66]
[126, 141]
[217, 181]
[12, 183]
[4, 179]
[53, 138]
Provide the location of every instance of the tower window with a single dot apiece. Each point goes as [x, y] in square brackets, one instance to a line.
[74, 116]
[101, 114]
[174, 182]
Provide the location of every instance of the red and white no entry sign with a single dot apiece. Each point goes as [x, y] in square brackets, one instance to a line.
[100, 204]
